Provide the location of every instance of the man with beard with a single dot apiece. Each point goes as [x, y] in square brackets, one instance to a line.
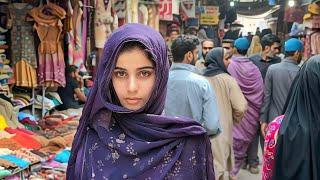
[270, 48]
[190, 94]
[278, 80]
[206, 46]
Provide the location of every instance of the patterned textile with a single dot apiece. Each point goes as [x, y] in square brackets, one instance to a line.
[269, 147]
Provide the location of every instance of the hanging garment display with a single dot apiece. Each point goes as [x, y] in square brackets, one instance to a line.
[51, 58]
[187, 9]
[132, 11]
[103, 23]
[143, 14]
[23, 47]
[120, 8]
[153, 14]
[74, 36]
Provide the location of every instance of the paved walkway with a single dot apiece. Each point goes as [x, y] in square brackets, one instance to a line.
[246, 175]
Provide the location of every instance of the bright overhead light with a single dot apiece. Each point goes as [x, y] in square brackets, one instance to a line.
[291, 3]
[232, 3]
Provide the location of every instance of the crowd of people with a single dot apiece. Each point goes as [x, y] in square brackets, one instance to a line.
[188, 117]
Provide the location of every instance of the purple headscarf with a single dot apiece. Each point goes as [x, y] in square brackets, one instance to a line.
[113, 142]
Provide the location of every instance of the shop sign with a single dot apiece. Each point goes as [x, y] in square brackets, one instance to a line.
[165, 10]
[210, 15]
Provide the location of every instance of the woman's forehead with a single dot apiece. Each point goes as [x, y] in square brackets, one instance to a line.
[134, 59]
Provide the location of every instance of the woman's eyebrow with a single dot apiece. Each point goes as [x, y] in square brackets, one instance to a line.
[119, 68]
[146, 67]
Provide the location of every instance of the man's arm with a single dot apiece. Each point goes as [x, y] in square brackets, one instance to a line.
[264, 112]
[210, 113]
[80, 95]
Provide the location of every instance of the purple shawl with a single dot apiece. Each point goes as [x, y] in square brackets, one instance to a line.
[114, 143]
[250, 81]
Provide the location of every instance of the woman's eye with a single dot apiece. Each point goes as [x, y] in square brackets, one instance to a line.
[145, 73]
[120, 74]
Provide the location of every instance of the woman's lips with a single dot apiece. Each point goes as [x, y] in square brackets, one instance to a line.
[133, 101]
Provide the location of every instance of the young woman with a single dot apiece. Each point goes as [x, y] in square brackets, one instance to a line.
[122, 134]
[292, 142]
[232, 107]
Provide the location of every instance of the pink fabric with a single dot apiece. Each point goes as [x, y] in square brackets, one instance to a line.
[270, 147]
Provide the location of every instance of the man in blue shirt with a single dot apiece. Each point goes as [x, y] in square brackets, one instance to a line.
[190, 94]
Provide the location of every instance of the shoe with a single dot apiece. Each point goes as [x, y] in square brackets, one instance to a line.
[254, 170]
[2, 37]
[244, 166]
[4, 1]
[2, 51]
[3, 30]
[2, 43]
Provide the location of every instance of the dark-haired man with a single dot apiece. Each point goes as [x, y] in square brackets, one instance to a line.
[271, 46]
[71, 95]
[278, 81]
[190, 94]
[206, 46]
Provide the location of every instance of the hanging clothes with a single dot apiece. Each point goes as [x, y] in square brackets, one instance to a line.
[74, 36]
[23, 43]
[24, 74]
[51, 58]
[103, 21]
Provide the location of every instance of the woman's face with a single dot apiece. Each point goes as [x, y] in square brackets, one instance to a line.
[133, 79]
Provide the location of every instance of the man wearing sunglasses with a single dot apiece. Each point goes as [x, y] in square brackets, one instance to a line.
[271, 46]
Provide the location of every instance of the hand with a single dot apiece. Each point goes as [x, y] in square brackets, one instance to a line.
[264, 129]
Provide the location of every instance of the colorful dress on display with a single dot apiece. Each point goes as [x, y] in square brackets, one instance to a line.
[51, 71]
[74, 34]
[23, 54]
[270, 143]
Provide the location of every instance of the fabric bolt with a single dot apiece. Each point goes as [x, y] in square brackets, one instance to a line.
[7, 111]
[27, 155]
[9, 143]
[250, 81]
[197, 100]
[63, 156]
[4, 173]
[22, 115]
[21, 163]
[299, 128]
[7, 164]
[4, 134]
[22, 35]
[114, 142]
[55, 145]
[24, 139]
[232, 106]
[269, 147]
[51, 58]
[277, 85]
[5, 151]
[3, 123]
